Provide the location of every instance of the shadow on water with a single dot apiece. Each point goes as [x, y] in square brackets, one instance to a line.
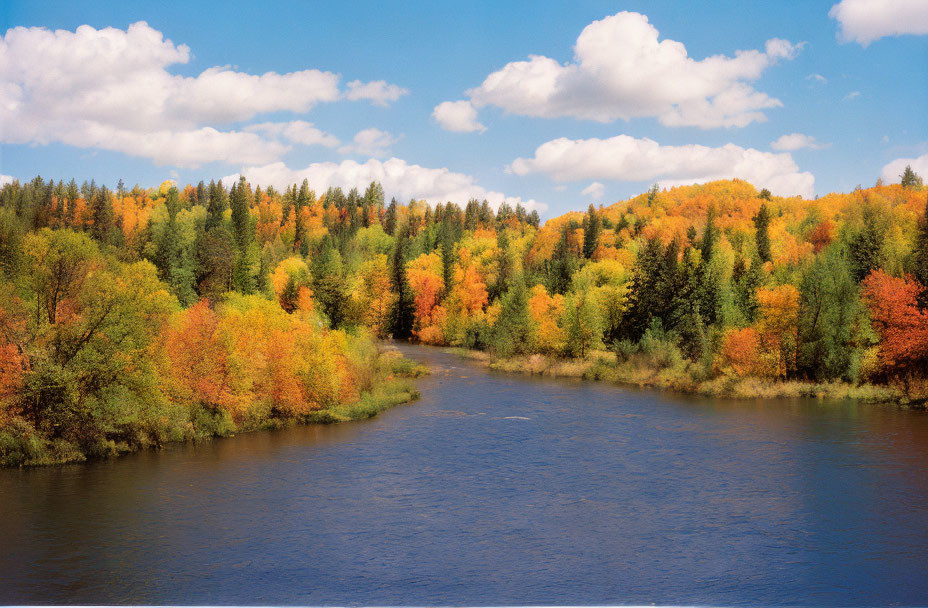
[494, 489]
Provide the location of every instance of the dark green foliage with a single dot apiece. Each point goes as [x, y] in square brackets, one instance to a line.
[829, 307]
[512, 333]
[401, 317]
[563, 263]
[762, 236]
[745, 281]
[910, 179]
[592, 227]
[919, 259]
[865, 249]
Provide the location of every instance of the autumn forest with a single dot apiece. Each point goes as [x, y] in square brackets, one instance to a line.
[132, 317]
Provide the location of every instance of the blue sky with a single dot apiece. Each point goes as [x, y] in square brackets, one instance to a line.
[595, 121]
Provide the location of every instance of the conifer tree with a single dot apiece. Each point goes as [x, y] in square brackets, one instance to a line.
[592, 227]
[762, 235]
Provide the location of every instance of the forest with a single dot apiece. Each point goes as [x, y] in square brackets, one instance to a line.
[131, 318]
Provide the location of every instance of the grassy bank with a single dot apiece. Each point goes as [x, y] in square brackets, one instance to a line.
[391, 384]
[644, 371]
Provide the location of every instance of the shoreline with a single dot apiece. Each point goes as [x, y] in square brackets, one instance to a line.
[602, 366]
[395, 387]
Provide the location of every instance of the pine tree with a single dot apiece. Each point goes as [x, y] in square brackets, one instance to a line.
[865, 250]
[401, 317]
[218, 203]
[241, 216]
[101, 207]
[592, 227]
[910, 179]
[512, 332]
[390, 218]
[762, 235]
[920, 257]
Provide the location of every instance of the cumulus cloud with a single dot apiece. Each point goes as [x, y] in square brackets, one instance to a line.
[111, 89]
[370, 142]
[459, 116]
[622, 70]
[892, 171]
[596, 190]
[6, 179]
[864, 21]
[398, 178]
[797, 141]
[296, 131]
[626, 158]
[379, 92]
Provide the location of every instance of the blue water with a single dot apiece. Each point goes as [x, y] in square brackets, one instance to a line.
[495, 489]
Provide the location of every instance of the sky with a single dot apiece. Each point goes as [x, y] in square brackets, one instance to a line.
[551, 105]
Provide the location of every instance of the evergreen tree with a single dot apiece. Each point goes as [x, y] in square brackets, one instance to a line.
[829, 307]
[512, 332]
[503, 264]
[241, 216]
[401, 317]
[910, 179]
[762, 235]
[390, 218]
[920, 257]
[865, 249]
[101, 207]
[592, 227]
[218, 203]
[563, 263]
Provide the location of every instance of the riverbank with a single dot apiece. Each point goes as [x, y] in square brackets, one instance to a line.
[638, 372]
[391, 384]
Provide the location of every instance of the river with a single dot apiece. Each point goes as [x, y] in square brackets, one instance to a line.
[494, 489]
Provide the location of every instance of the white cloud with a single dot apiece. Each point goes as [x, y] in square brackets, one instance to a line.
[864, 21]
[817, 78]
[893, 170]
[379, 92]
[852, 96]
[111, 89]
[797, 141]
[460, 116]
[6, 179]
[596, 190]
[398, 178]
[297, 131]
[626, 158]
[621, 70]
[370, 142]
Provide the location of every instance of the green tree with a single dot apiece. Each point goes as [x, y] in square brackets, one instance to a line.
[910, 179]
[512, 333]
[829, 307]
[865, 249]
[592, 227]
[762, 233]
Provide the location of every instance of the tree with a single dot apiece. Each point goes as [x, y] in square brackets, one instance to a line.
[865, 249]
[402, 315]
[512, 332]
[218, 203]
[762, 236]
[101, 206]
[920, 256]
[584, 332]
[592, 227]
[902, 326]
[910, 179]
[828, 310]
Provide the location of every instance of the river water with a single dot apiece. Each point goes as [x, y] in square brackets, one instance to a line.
[494, 489]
